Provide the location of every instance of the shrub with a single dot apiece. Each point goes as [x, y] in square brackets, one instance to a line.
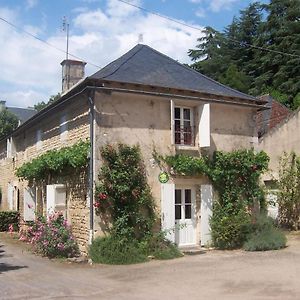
[263, 235]
[158, 246]
[7, 218]
[51, 238]
[229, 228]
[116, 251]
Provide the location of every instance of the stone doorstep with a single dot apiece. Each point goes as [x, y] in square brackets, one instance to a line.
[192, 250]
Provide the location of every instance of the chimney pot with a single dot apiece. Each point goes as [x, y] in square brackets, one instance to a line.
[72, 72]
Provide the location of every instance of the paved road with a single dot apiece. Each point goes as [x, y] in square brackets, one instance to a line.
[214, 275]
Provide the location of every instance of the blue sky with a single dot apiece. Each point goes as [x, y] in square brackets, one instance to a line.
[100, 31]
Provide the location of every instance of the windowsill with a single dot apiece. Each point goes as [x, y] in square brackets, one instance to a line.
[186, 147]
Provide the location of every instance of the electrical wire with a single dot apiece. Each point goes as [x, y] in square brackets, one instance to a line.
[47, 43]
[199, 29]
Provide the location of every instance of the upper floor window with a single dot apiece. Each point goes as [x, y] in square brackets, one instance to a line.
[183, 125]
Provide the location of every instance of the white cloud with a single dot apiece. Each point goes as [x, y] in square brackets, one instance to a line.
[98, 35]
[31, 3]
[215, 5]
[200, 12]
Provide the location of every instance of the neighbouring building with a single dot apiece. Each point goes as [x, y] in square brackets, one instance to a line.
[145, 98]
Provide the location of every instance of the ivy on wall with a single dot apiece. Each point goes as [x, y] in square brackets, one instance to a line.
[235, 175]
[56, 163]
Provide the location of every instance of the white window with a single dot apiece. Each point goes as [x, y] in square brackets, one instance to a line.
[39, 142]
[183, 126]
[63, 128]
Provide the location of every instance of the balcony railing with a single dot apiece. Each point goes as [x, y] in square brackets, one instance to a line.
[184, 135]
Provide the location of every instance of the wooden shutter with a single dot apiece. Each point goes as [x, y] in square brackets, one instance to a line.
[206, 212]
[29, 204]
[204, 125]
[168, 210]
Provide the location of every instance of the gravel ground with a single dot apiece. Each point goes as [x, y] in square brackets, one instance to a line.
[213, 275]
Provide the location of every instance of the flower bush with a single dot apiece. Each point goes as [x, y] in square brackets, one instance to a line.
[51, 237]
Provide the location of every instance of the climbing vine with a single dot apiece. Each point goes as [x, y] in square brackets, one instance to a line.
[56, 162]
[123, 193]
[235, 175]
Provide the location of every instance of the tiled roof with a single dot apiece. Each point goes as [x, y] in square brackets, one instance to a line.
[144, 65]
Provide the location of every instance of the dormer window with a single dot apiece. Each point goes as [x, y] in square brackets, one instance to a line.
[183, 126]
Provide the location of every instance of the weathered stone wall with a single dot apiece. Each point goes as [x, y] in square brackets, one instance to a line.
[27, 148]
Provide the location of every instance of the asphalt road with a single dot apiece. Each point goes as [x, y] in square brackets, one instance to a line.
[213, 275]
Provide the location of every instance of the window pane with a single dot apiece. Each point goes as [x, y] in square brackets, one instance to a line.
[177, 212]
[177, 112]
[177, 125]
[187, 139]
[178, 196]
[188, 196]
[177, 138]
[188, 211]
[187, 126]
[186, 113]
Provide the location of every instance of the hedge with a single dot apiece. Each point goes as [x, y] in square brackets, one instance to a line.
[7, 218]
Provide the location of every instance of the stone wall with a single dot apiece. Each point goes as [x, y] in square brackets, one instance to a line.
[75, 115]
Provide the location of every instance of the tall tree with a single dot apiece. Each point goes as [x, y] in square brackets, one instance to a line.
[8, 123]
[41, 105]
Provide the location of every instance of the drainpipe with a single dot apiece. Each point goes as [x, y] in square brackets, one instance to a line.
[91, 97]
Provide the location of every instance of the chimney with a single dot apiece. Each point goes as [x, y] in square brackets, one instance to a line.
[72, 72]
[2, 105]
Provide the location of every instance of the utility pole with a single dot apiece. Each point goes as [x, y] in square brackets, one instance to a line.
[65, 28]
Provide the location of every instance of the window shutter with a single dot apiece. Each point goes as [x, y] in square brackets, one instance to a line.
[204, 125]
[172, 123]
[56, 199]
[168, 210]
[10, 196]
[29, 204]
[206, 212]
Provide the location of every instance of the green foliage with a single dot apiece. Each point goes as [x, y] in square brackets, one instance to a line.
[289, 191]
[229, 227]
[8, 218]
[8, 123]
[159, 247]
[123, 193]
[56, 162]
[235, 175]
[274, 26]
[52, 237]
[116, 251]
[264, 235]
[120, 250]
[186, 165]
[41, 105]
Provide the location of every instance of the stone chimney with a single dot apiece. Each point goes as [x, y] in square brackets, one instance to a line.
[2, 105]
[72, 72]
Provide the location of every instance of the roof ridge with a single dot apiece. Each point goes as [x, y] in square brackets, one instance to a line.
[198, 73]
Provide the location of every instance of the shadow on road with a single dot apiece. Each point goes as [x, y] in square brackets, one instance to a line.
[5, 267]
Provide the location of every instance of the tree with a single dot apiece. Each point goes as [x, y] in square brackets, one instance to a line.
[274, 26]
[41, 105]
[8, 123]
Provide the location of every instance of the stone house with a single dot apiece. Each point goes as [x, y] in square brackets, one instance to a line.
[145, 98]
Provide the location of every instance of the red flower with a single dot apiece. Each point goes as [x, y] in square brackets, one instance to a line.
[97, 204]
[102, 196]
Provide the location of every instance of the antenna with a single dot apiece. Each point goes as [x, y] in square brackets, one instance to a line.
[65, 28]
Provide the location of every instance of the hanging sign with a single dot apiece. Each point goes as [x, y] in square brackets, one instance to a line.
[163, 177]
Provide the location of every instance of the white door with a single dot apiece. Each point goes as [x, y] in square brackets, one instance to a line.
[206, 213]
[185, 216]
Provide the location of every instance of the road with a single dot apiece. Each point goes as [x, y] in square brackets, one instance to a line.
[213, 275]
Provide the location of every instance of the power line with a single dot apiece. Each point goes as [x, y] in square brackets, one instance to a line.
[199, 29]
[47, 43]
